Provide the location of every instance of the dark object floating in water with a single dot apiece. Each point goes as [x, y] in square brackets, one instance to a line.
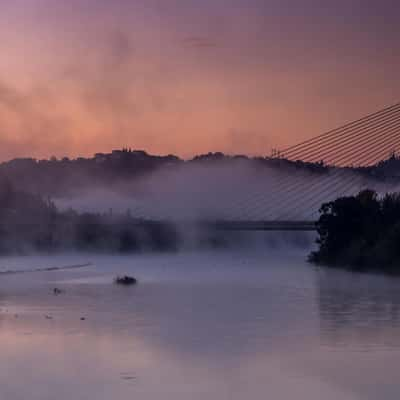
[125, 280]
[128, 378]
[57, 291]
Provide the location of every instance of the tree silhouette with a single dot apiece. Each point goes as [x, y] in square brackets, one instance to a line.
[360, 232]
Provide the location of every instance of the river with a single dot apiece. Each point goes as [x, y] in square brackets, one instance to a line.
[228, 324]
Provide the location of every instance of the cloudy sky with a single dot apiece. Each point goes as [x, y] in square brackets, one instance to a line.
[189, 76]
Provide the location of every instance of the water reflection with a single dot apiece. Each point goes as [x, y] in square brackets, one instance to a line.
[229, 330]
[358, 309]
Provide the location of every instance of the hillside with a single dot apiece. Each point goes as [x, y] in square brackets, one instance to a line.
[55, 177]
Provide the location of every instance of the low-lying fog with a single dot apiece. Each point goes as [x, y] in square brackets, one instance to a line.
[249, 319]
[228, 324]
[233, 191]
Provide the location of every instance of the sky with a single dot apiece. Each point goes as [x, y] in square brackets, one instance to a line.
[187, 76]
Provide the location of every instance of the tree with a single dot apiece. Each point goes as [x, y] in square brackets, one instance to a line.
[361, 232]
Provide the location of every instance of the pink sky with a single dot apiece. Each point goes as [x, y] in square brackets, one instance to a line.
[186, 77]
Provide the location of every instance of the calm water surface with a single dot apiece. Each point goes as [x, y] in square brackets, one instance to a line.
[222, 325]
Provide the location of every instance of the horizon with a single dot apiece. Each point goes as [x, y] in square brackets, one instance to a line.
[390, 154]
[133, 150]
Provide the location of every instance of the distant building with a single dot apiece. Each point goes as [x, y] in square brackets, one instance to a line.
[100, 157]
[116, 154]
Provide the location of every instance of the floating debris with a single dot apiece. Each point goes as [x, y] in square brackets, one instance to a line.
[125, 280]
[128, 378]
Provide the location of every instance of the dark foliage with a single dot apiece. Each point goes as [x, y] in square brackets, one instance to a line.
[59, 177]
[360, 232]
[30, 223]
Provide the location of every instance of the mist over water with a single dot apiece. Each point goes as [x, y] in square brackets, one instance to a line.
[235, 190]
[223, 324]
[244, 316]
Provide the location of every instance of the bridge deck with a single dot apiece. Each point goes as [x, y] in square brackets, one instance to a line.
[264, 225]
[232, 225]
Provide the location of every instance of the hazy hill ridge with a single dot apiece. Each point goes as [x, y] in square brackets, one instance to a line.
[59, 176]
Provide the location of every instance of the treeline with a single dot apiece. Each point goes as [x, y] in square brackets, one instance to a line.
[57, 177]
[360, 232]
[31, 223]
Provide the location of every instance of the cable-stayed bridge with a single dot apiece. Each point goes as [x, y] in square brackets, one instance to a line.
[303, 176]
